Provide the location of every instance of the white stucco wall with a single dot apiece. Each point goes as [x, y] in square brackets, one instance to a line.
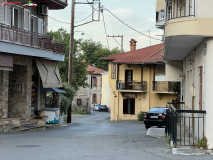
[105, 100]
[172, 73]
[204, 8]
[208, 91]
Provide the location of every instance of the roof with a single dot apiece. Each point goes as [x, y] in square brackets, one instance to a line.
[95, 70]
[148, 55]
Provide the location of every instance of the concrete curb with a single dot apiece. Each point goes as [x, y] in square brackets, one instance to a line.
[191, 152]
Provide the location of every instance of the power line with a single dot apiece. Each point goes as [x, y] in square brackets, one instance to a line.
[105, 30]
[130, 26]
[83, 19]
[58, 20]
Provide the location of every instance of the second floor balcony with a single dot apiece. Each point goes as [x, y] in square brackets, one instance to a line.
[180, 8]
[132, 86]
[166, 87]
[29, 39]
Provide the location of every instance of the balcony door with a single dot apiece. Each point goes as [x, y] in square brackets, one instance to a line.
[128, 79]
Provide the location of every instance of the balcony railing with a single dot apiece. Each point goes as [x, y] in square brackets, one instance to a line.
[180, 8]
[166, 86]
[26, 38]
[134, 85]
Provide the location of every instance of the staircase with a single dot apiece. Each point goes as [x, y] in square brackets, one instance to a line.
[28, 125]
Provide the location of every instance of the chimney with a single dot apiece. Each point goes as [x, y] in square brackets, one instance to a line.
[133, 45]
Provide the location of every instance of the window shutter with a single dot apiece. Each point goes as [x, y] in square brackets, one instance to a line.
[9, 16]
[40, 25]
[27, 19]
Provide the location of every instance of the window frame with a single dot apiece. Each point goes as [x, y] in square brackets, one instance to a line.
[95, 98]
[78, 102]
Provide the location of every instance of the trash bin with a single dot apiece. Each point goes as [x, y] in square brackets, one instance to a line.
[51, 115]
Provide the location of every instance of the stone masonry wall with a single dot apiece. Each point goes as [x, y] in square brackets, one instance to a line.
[4, 95]
[20, 99]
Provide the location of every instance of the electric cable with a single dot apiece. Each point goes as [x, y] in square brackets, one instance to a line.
[105, 31]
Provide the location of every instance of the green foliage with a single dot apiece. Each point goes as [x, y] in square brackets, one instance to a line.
[141, 115]
[67, 98]
[203, 143]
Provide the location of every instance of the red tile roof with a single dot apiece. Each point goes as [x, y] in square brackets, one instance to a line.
[152, 54]
[95, 70]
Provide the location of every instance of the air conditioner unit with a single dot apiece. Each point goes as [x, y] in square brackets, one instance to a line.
[42, 10]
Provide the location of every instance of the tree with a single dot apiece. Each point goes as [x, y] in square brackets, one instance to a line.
[79, 74]
[93, 51]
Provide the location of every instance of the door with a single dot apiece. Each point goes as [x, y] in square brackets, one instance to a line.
[128, 106]
[128, 79]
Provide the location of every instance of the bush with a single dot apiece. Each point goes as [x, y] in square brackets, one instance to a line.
[141, 115]
[203, 143]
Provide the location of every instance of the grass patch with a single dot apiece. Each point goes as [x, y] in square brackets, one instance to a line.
[79, 112]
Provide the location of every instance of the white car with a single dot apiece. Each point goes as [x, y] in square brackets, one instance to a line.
[96, 107]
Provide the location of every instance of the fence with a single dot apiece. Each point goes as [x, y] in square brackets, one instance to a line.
[185, 127]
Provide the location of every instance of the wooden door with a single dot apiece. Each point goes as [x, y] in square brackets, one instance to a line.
[128, 78]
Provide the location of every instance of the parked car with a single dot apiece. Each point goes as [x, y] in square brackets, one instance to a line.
[155, 117]
[103, 108]
[96, 107]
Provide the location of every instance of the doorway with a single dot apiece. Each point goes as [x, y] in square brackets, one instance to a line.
[128, 79]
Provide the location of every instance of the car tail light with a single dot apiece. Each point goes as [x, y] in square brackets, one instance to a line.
[163, 116]
[145, 116]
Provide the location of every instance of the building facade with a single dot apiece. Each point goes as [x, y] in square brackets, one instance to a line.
[137, 82]
[189, 40]
[106, 94]
[85, 98]
[28, 58]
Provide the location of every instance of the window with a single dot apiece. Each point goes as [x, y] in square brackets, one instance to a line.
[94, 82]
[94, 99]
[78, 102]
[160, 15]
[113, 75]
[1, 80]
[129, 106]
[160, 69]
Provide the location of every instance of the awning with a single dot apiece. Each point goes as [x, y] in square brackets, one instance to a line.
[6, 62]
[53, 90]
[49, 73]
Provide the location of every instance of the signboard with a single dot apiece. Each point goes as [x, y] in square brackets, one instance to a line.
[130, 95]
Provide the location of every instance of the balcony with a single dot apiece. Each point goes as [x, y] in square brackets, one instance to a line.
[166, 87]
[180, 8]
[29, 39]
[132, 86]
[54, 4]
[183, 30]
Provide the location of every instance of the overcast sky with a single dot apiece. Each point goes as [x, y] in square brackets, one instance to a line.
[139, 14]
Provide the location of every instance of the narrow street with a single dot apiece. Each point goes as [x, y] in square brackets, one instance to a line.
[90, 137]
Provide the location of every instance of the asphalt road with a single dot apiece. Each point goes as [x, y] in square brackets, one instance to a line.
[91, 137]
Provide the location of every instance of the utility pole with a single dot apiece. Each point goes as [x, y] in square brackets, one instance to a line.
[71, 48]
[122, 41]
[70, 69]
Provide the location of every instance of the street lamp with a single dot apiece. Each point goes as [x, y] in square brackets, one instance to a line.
[82, 33]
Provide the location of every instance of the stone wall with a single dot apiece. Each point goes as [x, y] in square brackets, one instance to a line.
[20, 83]
[4, 95]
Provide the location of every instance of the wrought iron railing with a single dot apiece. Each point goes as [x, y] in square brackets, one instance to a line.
[26, 38]
[134, 85]
[165, 86]
[185, 127]
[180, 8]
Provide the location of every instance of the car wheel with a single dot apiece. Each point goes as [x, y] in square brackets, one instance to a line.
[147, 126]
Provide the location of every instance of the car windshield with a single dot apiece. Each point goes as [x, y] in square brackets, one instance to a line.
[158, 110]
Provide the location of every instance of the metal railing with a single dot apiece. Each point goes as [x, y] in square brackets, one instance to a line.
[185, 127]
[134, 85]
[180, 8]
[27, 38]
[165, 86]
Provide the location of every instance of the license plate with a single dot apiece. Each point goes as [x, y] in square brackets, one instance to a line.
[154, 117]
